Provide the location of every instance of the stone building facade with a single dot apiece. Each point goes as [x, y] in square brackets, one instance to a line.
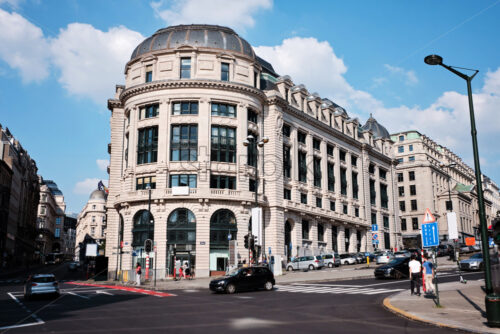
[91, 222]
[429, 175]
[193, 96]
[19, 196]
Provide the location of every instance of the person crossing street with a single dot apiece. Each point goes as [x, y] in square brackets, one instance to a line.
[415, 274]
[429, 274]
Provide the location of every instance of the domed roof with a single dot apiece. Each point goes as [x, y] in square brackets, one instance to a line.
[377, 129]
[195, 35]
[98, 195]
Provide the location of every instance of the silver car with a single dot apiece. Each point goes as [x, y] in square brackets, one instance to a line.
[331, 260]
[402, 254]
[385, 257]
[475, 262]
[347, 259]
[306, 262]
[41, 284]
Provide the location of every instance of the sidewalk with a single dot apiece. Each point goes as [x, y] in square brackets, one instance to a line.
[462, 307]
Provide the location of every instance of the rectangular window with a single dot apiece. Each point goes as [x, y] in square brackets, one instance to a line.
[185, 108]
[222, 182]
[356, 212]
[410, 148]
[414, 205]
[354, 160]
[287, 194]
[317, 172]
[344, 208]
[371, 169]
[184, 143]
[342, 155]
[287, 163]
[387, 240]
[331, 177]
[400, 177]
[321, 232]
[411, 176]
[302, 167]
[403, 224]
[414, 223]
[185, 68]
[316, 144]
[355, 188]
[303, 198]
[343, 181]
[149, 73]
[374, 218]
[92, 230]
[400, 160]
[401, 138]
[413, 190]
[402, 206]
[305, 229]
[58, 220]
[411, 158]
[386, 221]
[224, 71]
[382, 173]
[148, 111]
[332, 205]
[384, 199]
[329, 150]
[223, 144]
[251, 116]
[183, 180]
[373, 193]
[147, 145]
[401, 149]
[401, 191]
[222, 109]
[57, 233]
[251, 185]
[319, 203]
[286, 130]
[301, 137]
[143, 182]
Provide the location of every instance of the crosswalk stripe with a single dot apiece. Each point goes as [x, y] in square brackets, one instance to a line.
[333, 290]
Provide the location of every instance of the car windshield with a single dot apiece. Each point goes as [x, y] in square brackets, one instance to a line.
[396, 261]
[234, 272]
[477, 256]
[43, 279]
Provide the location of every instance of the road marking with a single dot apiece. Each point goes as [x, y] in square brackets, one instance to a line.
[329, 285]
[103, 292]
[323, 288]
[33, 315]
[75, 294]
[126, 288]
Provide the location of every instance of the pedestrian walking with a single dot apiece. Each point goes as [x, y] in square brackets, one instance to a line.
[429, 274]
[181, 272]
[138, 272]
[415, 273]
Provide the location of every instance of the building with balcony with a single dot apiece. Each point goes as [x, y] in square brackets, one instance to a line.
[431, 176]
[51, 214]
[182, 172]
[19, 196]
[91, 222]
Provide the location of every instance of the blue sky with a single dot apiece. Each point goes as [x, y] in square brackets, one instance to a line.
[60, 61]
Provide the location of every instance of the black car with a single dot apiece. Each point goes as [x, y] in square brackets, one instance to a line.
[251, 278]
[397, 268]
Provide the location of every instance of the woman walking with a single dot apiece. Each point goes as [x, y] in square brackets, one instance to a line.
[138, 273]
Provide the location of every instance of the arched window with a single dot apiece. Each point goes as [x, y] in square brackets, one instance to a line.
[181, 227]
[222, 223]
[143, 223]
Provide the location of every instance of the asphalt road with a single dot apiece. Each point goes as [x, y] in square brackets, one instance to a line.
[329, 307]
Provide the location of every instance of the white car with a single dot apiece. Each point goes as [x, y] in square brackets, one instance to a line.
[385, 257]
[347, 259]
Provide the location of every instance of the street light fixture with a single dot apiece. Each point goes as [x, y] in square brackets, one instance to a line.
[492, 301]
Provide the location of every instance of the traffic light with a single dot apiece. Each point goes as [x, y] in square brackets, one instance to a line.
[148, 246]
[495, 225]
[246, 241]
[251, 242]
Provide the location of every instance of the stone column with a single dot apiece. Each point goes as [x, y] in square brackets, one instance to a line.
[341, 239]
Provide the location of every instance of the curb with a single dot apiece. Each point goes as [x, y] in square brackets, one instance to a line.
[393, 309]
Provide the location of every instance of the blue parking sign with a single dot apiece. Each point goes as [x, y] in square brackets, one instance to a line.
[374, 228]
[430, 235]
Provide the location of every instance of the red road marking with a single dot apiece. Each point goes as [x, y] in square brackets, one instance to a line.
[126, 288]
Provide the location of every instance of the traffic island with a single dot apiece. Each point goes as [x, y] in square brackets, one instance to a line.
[462, 307]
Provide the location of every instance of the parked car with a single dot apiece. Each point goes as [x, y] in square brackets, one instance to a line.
[444, 250]
[73, 266]
[465, 249]
[251, 278]
[331, 260]
[475, 262]
[362, 257]
[396, 268]
[347, 259]
[41, 284]
[402, 254]
[306, 262]
[385, 257]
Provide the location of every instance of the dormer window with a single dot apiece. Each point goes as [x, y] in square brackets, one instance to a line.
[224, 72]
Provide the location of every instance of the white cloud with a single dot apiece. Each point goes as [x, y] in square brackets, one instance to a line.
[237, 14]
[23, 46]
[102, 164]
[409, 77]
[91, 61]
[86, 186]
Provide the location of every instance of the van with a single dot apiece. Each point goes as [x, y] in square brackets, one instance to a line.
[331, 260]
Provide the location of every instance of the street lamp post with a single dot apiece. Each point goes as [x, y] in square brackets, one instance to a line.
[252, 142]
[492, 301]
[148, 187]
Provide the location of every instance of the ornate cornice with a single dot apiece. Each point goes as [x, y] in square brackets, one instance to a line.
[114, 103]
[191, 83]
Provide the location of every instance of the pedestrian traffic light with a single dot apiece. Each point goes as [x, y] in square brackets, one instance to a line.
[246, 241]
[495, 225]
[148, 246]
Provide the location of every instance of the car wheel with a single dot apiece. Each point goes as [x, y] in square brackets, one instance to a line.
[230, 289]
[330, 265]
[268, 286]
[290, 268]
[398, 275]
[311, 267]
